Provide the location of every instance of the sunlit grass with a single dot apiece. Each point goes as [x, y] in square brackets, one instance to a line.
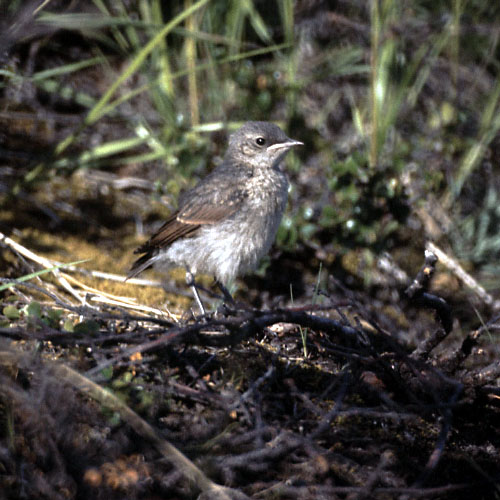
[176, 71]
[155, 60]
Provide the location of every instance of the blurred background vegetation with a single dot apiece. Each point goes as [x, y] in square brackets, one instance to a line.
[109, 108]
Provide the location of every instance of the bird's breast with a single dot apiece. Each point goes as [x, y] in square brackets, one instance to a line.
[266, 202]
[268, 189]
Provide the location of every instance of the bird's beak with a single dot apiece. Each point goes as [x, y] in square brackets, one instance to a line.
[284, 145]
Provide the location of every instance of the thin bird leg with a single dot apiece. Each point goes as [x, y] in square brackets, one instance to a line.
[227, 296]
[192, 284]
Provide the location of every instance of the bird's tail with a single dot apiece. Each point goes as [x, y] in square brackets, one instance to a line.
[141, 264]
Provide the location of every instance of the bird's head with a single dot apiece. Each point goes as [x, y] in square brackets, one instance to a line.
[259, 144]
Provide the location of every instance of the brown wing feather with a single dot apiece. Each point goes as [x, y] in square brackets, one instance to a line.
[175, 228]
[171, 230]
[191, 215]
[205, 214]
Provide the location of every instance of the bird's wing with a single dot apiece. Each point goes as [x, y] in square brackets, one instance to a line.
[211, 201]
[207, 203]
[212, 205]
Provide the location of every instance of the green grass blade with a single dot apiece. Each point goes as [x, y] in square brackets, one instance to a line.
[490, 126]
[101, 151]
[201, 67]
[257, 22]
[136, 63]
[67, 68]
[30, 276]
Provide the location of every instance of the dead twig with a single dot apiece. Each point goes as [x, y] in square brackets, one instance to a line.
[463, 276]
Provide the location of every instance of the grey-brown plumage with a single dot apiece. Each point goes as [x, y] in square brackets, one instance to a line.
[228, 221]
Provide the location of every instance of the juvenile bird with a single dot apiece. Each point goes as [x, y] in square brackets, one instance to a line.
[228, 221]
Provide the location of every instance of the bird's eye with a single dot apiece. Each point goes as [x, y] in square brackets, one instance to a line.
[260, 141]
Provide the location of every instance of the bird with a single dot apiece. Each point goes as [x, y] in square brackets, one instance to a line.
[226, 223]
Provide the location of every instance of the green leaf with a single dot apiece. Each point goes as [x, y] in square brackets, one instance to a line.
[34, 309]
[54, 315]
[11, 312]
[115, 419]
[123, 381]
[89, 327]
[107, 372]
[68, 325]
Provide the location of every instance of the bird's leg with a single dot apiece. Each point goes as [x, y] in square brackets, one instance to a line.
[192, 284]
[227, 296]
